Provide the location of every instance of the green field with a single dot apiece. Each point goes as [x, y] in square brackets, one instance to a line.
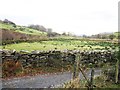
[59, 45]
[21, 29]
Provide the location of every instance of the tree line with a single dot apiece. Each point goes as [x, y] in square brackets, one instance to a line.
[51, 33]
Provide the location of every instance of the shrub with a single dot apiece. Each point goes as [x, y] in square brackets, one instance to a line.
[11, 68]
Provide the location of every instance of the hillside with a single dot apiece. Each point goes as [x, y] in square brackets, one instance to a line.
[21, 29]
[10, 33]
[117, 34]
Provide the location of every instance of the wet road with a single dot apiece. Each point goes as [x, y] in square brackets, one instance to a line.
[42, 81]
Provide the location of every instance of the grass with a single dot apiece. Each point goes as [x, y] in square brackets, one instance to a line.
[117, 34]
[11, 69]
[31, 31]
[100, 83]
[22, 29]
[52, 45]
[6, 26]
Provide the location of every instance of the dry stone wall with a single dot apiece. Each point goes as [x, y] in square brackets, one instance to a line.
[57, 58]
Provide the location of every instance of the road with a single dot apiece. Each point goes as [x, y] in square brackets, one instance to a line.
[42, 81]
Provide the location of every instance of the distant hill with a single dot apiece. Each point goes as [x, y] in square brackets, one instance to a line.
[20, 29]
[117, 34]
[106, 35]
[10, 32]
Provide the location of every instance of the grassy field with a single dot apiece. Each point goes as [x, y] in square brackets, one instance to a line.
[21, 29]
[59, 45]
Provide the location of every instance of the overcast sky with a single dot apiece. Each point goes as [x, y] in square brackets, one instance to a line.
[76, 16]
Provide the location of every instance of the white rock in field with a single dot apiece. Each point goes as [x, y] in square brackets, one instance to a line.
[35, 52]
[24, 51]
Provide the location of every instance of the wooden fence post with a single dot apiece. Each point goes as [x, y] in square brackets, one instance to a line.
[91, 79]
[62, 63]
[78, 63]
[74, 68]
[117, 67]
[84, 75]
[116, 71]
